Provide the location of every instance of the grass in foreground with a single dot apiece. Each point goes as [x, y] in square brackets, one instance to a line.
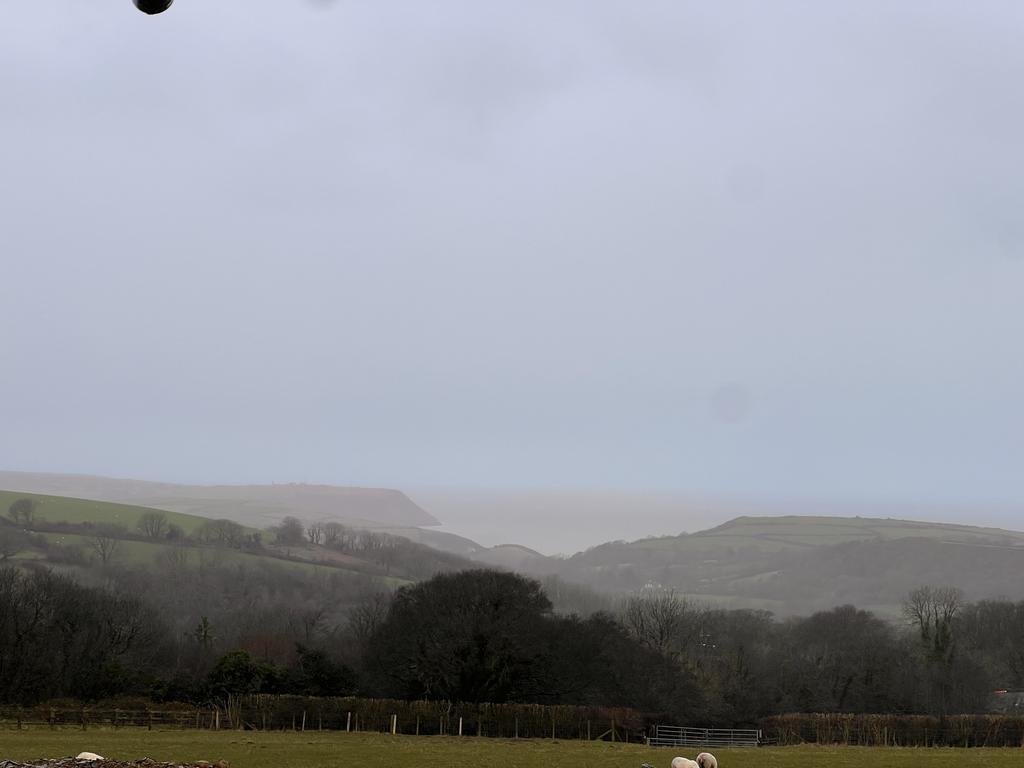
[328, 750]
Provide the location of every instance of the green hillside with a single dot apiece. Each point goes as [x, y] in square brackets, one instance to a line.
[146, 553]
[796, 565]
[258, 505]
[807, 531]
[63, 509]
[389, 563]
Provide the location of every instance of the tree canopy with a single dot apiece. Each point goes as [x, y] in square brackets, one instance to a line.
[468, 636]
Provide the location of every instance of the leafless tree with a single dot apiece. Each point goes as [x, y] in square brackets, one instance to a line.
[315, 533]
[290, 531]
[223, 533]
[153, 525]
[662, 619]
[366, 617]
[307, 622]
[174, 558]
[333, 533]
[106, 541]
[23, 512]
[932, 611]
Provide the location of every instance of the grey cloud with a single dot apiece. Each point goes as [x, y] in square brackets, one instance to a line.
[521, 245]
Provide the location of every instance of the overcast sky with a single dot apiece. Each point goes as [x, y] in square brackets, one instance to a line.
[764, 250]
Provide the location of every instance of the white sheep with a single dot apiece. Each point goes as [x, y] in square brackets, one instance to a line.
[684, 762]
[89, 756]
[707, 760]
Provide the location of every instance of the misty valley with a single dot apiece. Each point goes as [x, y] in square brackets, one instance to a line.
[112, 605]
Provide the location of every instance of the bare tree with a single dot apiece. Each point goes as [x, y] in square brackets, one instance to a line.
[203, 632]
[290, 531]
[333, 533]
[153, 525]
[388, 556]
[307, 621]
[366, 617]
[174, 558]
[106, 541]
[23, 512]
[932, 611]
[315, 533]
[662, 619]
[222, 533]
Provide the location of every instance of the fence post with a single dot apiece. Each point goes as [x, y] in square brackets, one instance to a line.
[417, 725]
[303, 720]
[348, 723]
[150, 719]
[460, 725]
[394, 724]
[613, 730]
[517, 728]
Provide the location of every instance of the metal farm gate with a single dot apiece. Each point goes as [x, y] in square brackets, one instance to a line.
[678, 736]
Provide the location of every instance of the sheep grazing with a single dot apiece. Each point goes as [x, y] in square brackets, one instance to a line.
[90, 756]
[684, 762]
[707, 760]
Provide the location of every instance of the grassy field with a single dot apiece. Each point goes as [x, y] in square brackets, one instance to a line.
[315, 750]
[130, 552]
[64, 509]
[777, 534]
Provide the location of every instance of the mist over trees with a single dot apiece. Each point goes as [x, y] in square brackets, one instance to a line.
[487, 636]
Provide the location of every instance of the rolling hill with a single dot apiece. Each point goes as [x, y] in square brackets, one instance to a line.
[789, 564]
[255, 505]
[796, 565]
[65, 528]
[64, 509]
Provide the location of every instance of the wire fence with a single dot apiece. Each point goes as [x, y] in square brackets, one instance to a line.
[525, 721]
[297, 713]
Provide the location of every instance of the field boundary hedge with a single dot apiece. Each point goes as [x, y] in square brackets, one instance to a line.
[896, 730]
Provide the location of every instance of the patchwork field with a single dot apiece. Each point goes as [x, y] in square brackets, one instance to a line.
[317, 750]
[61, 509]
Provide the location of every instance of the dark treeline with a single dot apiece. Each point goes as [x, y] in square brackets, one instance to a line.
[200, 631]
